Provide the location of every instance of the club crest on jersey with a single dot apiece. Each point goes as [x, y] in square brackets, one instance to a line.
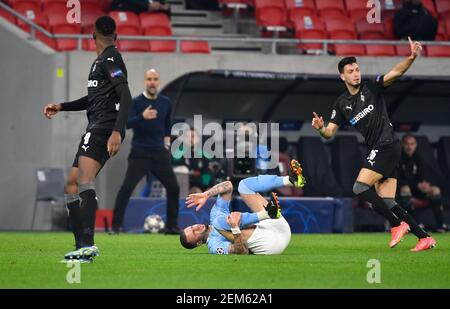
[362, 97]
[361, 114]
[116, 73]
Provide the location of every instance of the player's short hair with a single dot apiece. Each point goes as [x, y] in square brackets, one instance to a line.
[105, 26]
[408, 135]
[344, 62]
[185, 243]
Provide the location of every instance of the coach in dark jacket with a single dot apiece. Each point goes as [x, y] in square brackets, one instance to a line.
[150, 120]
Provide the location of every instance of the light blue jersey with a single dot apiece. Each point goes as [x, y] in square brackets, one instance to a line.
[217, 243]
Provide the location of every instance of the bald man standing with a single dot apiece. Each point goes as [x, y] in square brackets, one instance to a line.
[149, 118]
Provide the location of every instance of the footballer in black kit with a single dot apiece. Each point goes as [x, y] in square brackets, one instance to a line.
[107, 104]
[362, 106]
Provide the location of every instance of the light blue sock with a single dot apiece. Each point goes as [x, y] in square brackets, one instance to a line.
[261, 183]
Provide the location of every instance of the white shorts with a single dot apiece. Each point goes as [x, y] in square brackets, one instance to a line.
[271, 236]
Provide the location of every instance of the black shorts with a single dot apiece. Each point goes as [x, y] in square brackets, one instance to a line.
[94, 145]
[384, 159]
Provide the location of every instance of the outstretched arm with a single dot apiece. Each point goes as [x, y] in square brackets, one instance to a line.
[199, 199]
[326, 132]
[403, 66]
[52, 109]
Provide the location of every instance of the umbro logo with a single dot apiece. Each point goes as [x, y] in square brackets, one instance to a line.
[110, 59]
[85, 148]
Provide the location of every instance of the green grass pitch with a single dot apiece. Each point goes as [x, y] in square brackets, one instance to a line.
[31, 260]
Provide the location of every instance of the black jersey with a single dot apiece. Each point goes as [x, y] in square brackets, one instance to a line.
[367, 112]
[107, 71]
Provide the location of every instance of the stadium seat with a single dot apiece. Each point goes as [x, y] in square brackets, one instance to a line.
[155, 20]
[35, 15]
[380, 50]
[131, 45]
[339, 26]
[91, 5]
[6, 15]
[297, 9]
[66, 44]
[126, 20]
[310, 27]
[51, 5]
[438, 51]
[315, 160]
[442, 32]
[443, 8]
[270, 13]
[89, 16]
[195, 47]
[329, 9]
[357, 9]
[403, 50]
[30, 4]
[368, 31]
[429, 5]
[347, 161]
[161, 46]
[349, 50]
[88, 44]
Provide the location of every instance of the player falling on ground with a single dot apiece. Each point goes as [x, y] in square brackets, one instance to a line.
[107, 104]
[264, 231]
[363, 106]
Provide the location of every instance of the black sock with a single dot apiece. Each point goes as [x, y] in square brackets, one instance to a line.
[88, 210]
[379, 206]
[73, 206]
[405, 216]
[438, 210]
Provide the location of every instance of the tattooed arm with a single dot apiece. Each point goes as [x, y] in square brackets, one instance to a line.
[224, 189]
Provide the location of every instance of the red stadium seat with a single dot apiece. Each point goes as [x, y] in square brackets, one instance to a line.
[438, 51]
[310, 27]
[340, 26]
[155, 20]
[298, 14]
[31, 4]
[368, 31]
[349, 50]
[66, 44]
[357, 9]
[194, 47]
[35, 15]
[270, 13]
[403, 50]
[161, 46]
[88, 44]
[48, 5]
[131, 45]
[126, 20]
[429, 5]
[6, 15]
[89, 16]
[442, 32]
[299, 8]
[446, 25]
[443, 8]
[328, 9]
[91, 5]
[380, 50]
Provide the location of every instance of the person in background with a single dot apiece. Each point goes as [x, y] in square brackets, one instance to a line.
[140, 6]
[414, 20]
[412, 182]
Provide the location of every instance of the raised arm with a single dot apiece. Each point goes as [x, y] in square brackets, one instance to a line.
[326, 132]
[403, 66]
[199, 199]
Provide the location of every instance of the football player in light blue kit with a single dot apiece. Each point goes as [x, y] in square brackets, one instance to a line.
[263, 231]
